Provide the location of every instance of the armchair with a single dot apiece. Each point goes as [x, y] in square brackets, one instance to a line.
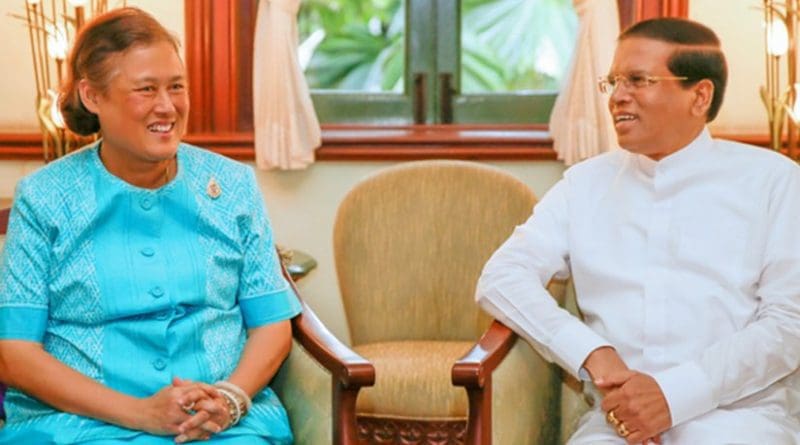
[409, 245]
[317, 382]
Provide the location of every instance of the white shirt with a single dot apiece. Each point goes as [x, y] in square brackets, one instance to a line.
[689, 267]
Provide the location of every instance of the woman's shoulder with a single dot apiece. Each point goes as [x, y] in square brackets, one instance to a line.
[64, 175]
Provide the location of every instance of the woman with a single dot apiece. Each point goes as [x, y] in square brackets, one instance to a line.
[139, 271]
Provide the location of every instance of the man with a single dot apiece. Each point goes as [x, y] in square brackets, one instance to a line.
[685, 256]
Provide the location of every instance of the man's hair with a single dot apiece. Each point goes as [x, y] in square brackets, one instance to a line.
[697, 56]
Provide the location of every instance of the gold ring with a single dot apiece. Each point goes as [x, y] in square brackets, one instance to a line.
[611, 418]
[622, 430]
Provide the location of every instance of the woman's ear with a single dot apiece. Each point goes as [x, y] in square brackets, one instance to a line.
[88, 95]
[704, 94]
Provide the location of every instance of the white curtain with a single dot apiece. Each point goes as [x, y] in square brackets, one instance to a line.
[286, 126]
[580, 123]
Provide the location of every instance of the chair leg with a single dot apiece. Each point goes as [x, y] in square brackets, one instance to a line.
[479, 425]
[344, 415]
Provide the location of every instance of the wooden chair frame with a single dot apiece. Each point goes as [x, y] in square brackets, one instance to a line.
[474, 371]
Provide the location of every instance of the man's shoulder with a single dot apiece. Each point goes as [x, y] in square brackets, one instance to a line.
[597, 166]
[754, 158]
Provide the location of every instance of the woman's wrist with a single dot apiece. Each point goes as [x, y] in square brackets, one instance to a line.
[130, 413]
[237, 401]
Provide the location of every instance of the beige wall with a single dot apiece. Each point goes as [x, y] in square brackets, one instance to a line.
[302, 204]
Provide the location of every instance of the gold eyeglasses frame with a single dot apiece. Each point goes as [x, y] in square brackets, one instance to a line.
[607, 84]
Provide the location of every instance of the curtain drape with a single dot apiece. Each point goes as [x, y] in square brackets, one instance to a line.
[580, 123]
[286, 127]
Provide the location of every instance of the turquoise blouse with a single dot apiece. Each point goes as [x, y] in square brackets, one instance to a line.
[132, 286]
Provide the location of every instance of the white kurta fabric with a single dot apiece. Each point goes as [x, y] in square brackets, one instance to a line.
[689, 267]
[286, 126]
[580, 124]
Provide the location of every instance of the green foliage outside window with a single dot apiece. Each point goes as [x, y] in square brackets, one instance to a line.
[507, 45]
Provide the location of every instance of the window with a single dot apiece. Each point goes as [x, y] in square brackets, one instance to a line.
[423, 61]
[218, 57]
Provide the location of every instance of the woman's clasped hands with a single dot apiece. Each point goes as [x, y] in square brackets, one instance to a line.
[189, 410]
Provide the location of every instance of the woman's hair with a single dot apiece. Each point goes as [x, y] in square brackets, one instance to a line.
[91, 57]
[698, 54]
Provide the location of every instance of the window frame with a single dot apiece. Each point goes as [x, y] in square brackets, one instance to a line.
[212, 44]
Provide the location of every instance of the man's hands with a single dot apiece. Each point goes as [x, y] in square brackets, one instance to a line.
[602, 363]
[636, 400]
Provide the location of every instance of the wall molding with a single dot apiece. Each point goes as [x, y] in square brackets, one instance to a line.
[362, 143]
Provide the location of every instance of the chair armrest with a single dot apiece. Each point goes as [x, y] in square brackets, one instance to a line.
[476, 366]
[348, 368]
[4, 214]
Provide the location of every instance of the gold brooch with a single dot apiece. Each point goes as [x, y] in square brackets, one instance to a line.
[213, 190]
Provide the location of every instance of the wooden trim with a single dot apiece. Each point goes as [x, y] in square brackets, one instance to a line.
[403, 143]
[393, 430]
[365, 143]
[198, 62]
[349, 371]
[474, 371]
[4, 213]
[214, 55]
[22, 146]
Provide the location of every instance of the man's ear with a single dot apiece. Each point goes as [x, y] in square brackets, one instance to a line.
[88, 95]
[704, 94]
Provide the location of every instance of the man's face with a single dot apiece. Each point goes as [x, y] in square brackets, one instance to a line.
[655, 119]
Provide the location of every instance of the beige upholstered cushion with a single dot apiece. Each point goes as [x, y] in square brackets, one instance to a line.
[573, 402]
[524, 399]
[304, 388]
[410, 243]
[412, 380]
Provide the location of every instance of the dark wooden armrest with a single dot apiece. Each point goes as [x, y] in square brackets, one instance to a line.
[348, 368]
[476, 366]
[4, 213]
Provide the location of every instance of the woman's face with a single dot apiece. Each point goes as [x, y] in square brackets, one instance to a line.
[144, 106]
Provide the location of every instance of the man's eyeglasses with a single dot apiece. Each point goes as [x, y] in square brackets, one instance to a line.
[607, 84]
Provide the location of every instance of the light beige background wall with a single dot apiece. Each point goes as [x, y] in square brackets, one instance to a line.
[739, 25]
[302, 204]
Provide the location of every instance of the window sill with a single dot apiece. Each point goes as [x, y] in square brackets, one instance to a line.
[401, 143]
[366, 143]
[370, 143]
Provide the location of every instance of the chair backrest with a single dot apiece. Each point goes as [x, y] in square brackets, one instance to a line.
[410, 243]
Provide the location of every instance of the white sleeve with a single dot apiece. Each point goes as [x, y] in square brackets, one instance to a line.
[512, 287]
[768, 348]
